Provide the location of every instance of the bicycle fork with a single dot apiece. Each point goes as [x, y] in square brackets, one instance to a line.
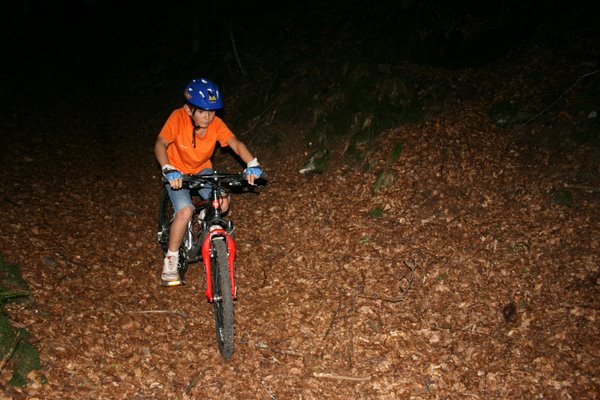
[207, 257]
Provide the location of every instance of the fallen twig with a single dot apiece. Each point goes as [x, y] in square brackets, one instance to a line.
[333, 317]
[11, 202]
[385, 300]
[351, 334]
[9, 355]
[583, 187]
[12, 294]
[285, 253]
[272, 395]
[559, 97]
[288, 352]
[262, 345]
[176, 312]
[264, 282]
[193, 382]
[341, 377]
[409, 277]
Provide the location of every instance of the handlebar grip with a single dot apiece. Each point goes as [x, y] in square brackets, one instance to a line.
[262, 176]
[185, 178]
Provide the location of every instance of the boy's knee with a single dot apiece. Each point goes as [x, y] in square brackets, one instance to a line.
[185, 213]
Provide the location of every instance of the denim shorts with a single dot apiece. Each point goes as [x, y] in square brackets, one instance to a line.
[181, 198]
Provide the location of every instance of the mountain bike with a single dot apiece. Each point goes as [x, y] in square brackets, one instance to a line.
[209, 238]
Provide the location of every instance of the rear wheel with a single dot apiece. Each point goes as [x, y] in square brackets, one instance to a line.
[223, 300]
[165, 217]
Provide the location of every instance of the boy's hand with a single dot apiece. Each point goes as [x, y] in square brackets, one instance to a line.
[253, 171]
[173, 175]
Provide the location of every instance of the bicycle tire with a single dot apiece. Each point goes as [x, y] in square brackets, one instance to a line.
[165, 217]
[223, 300]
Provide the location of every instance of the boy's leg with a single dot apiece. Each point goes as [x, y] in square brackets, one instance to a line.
[178, 227]
[182, 205]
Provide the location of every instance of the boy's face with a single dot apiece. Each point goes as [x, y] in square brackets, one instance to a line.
[202, 118]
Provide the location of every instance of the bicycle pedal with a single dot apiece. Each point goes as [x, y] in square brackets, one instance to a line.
[171, 283]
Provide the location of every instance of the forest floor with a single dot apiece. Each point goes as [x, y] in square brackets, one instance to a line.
[474, 275]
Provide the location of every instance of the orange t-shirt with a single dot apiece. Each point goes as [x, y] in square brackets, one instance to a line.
[181, 152]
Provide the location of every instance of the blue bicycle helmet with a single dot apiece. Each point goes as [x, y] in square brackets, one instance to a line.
[203, 94]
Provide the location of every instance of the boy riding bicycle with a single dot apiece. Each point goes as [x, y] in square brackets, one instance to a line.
[184, 146]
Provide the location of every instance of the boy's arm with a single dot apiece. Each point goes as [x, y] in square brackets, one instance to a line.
[160, 150]
[253, 169]
[168, 171]
[240, 149]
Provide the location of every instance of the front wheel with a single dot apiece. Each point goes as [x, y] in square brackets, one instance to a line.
[223, 300]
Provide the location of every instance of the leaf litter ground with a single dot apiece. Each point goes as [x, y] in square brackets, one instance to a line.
[473, 282]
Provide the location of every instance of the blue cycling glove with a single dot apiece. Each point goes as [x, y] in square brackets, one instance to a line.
[253, 168]
[170, 172]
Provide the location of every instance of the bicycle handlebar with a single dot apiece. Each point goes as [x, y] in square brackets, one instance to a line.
[215, 179]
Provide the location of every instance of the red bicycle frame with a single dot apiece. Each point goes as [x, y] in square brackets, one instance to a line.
[206, 257]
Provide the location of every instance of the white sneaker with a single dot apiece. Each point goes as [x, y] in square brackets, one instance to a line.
[170, 275]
